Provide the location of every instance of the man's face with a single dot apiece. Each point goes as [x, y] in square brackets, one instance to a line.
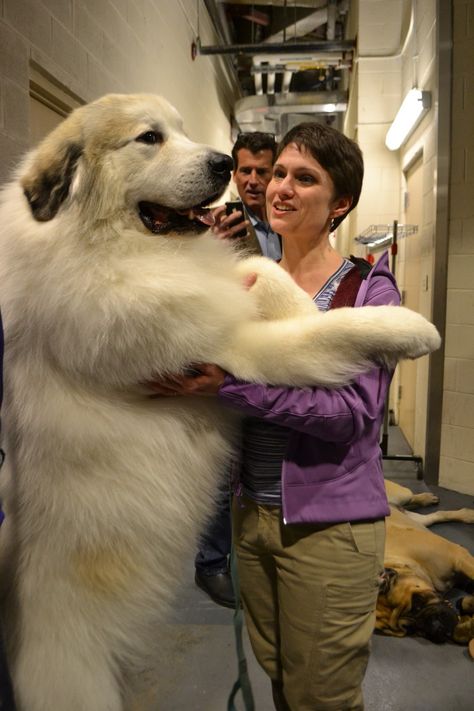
[251, 177]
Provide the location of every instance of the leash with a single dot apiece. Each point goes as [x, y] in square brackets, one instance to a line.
[243, 680]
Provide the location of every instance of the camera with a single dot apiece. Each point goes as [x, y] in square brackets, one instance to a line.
[233, 206]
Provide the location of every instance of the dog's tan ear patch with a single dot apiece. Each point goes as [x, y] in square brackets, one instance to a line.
[47, 184]
[386, 580]
[386, 620]
[383, 614]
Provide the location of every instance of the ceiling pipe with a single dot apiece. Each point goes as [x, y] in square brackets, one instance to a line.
[295, 61]
[285, 86]
[329, 102]
[331, 19]
[266, 64]
[279, 48]
[258, 70]
[290, 63]
[280, 3]
[257, 79]
[301, 27]
[400, 51]
[218, 19]
[271, 83]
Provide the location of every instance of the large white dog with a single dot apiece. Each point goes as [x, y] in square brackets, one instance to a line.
[107, 282]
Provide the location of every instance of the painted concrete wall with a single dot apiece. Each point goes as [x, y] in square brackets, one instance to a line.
[415, 261]
[92, 47]
[457, 440]
[378, 85]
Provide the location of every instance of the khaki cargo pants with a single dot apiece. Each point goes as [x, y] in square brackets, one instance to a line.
[309, 594]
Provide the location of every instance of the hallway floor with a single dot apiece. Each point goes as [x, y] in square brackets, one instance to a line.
[199, 663]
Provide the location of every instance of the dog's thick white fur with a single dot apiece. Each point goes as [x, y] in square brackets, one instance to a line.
[106, 487]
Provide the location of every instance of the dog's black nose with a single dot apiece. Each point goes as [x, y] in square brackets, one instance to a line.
[220, 163]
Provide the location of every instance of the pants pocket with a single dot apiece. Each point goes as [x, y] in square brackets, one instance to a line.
[369, 538]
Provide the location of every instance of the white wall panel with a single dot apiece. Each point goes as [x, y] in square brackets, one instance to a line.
[92, 47]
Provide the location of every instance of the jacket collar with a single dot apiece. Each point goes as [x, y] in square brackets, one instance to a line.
[380, 268]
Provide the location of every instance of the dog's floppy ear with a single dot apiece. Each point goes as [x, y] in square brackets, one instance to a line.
[386, 619]
[386, 580]
[48, 178]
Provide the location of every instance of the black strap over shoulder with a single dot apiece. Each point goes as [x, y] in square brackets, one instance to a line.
[347, 290]
[362, 265]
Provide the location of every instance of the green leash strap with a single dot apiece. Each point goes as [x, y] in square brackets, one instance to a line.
[243, 680]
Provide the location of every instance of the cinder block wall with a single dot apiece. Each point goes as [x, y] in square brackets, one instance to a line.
[378, 92]
[93, 47]
[457, 441]
[387, 68]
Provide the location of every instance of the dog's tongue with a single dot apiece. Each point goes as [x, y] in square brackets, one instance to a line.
[160, 214]
[202, 214]
[158, 217]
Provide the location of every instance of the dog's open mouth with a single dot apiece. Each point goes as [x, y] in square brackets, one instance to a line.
[160, 219]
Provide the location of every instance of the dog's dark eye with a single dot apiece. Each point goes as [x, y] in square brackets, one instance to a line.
[150, 137]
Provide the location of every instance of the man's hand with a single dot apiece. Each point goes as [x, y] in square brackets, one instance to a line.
[227, 226]
[206, 381]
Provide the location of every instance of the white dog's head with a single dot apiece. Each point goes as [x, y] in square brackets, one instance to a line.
[125, 159]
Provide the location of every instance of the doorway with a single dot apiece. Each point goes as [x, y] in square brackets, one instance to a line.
[49, 104]
[408, 274]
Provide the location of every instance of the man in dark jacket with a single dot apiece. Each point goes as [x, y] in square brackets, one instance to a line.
[253, 155]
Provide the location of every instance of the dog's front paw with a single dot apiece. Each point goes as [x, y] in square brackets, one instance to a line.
[466, 515]
[274, 291]
[426, 338]
[466, 605]
[425, 498]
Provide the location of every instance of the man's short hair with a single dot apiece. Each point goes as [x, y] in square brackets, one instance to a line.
[254, 142]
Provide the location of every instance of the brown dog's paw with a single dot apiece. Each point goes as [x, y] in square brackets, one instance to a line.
[466, 605]
[464, 632]
[426, 498]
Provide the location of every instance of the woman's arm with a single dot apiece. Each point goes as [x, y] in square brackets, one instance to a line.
[339, 415]
[334, 415]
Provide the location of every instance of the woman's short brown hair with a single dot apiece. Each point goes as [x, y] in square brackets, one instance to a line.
[338, 155]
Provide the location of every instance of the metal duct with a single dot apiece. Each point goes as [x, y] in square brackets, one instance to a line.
[268, 112]
[301, 27]
[263, 64]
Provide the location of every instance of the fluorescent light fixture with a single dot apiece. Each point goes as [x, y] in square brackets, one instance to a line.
[415, 105]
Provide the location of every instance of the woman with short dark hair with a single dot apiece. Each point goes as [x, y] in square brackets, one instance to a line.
[310, 503]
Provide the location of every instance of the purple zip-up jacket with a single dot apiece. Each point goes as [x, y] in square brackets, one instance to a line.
[332, 470]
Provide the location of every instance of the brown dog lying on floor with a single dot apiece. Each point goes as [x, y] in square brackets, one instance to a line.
[420, 568]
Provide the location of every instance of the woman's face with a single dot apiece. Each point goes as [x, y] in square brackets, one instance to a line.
[300, 195]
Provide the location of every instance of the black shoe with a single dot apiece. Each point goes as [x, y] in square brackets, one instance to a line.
[218, 587]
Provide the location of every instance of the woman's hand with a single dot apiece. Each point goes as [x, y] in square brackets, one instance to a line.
[206, 381]
[201, 378]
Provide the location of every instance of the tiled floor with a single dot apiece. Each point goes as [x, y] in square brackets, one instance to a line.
[199, 665]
